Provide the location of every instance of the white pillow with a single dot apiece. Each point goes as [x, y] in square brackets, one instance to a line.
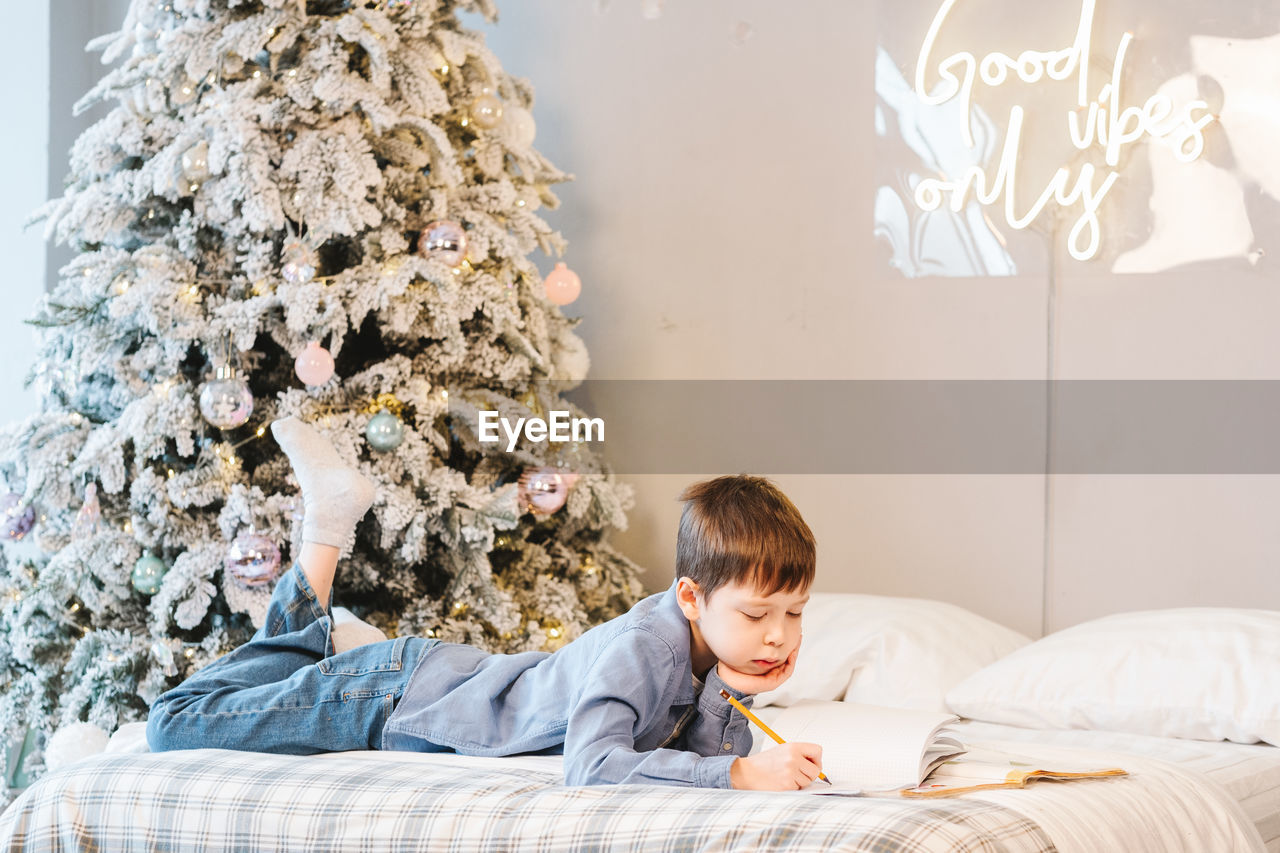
[1205, 672]
[899, 652]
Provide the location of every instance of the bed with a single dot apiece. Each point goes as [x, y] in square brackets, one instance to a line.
[1188, 790]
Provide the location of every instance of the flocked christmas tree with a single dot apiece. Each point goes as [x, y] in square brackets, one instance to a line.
[279, 182]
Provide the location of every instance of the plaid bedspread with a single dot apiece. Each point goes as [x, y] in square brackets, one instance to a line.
[219, 800]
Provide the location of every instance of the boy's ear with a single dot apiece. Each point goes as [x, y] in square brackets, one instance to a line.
[688, 594]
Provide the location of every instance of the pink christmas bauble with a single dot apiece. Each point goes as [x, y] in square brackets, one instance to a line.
[314, 365]
[562, 284]
[542, 490]
[444, 240]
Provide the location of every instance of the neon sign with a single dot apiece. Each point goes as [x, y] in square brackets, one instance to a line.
[1102, 120]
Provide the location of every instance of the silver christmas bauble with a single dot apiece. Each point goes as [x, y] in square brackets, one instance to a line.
[253, 560]
[226, 401]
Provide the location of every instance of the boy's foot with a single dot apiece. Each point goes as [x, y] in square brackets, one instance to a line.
[334, 496]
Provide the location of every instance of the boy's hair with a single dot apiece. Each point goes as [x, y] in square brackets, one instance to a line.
[743, 529]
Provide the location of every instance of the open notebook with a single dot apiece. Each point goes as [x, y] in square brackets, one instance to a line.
[868, 747]
[872, 749]
[981, 769]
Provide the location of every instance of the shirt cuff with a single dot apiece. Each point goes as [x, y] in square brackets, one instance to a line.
[714, 772]
[711, 702]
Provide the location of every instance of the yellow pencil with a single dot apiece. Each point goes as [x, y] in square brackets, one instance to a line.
[770, 732]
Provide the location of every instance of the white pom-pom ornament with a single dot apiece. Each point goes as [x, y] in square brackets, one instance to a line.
[572, 362]
[73, 742]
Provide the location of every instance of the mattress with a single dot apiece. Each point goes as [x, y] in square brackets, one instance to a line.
[210, 799]
[1249, 774]
[1185, 796]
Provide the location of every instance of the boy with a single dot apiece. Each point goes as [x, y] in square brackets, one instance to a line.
[635, 700]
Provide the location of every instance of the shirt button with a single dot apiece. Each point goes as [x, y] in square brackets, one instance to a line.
[728, 745]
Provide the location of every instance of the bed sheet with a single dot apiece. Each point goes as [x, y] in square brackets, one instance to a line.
[220, 800]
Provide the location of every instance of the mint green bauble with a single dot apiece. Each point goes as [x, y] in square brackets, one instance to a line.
[385, 431]
[147, 574]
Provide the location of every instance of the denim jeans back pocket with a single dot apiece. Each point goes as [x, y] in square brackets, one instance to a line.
[384, 656]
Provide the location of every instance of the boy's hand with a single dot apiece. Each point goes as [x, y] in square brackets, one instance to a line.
[746, 682]
[785, 767]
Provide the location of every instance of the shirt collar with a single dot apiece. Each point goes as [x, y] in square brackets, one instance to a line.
[674, 627]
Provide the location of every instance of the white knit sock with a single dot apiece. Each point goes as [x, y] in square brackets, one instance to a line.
[334, 497]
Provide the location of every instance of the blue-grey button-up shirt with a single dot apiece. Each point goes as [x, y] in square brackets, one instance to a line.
[619, 702]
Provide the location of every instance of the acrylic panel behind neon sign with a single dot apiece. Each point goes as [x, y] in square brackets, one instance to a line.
[1170, 131]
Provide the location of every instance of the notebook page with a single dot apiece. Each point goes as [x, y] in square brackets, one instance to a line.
[943, 748]
[863, 746]
[991, 765]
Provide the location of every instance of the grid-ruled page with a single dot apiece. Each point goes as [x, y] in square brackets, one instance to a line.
[864, 747]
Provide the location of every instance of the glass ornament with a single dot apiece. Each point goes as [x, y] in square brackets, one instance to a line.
[16, 517]
[299, 262]
[385, 431]
[89, 514]
[184, 92]
[542, 491]
[226, 401]
[486, 111]
[195, 162]
[562, 285]
[519, 126]
[444, 240]
[164, 656]
[253, 560]
[314, 365]
[148, 572]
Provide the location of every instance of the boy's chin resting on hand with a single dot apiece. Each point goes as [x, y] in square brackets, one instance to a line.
[758, 682]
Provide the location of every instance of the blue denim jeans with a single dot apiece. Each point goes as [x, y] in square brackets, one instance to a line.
[286, 691]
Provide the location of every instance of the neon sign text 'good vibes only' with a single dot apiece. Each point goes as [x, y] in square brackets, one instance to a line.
[1102, 120]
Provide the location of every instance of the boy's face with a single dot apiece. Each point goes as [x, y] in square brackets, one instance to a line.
[741, 627]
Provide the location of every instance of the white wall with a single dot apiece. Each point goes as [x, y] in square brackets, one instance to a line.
[722, 225]
[73, 71]
[47, 56]
[24, 160]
